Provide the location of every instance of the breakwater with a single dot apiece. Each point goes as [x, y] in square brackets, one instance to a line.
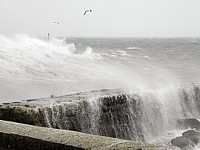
[137, 116]
[106, 112]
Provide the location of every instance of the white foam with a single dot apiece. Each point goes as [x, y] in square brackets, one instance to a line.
[197, 147]
[133, 48]
[147, 57]
[33, 58]
[89, 53]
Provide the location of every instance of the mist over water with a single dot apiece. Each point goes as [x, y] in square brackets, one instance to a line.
[32, 67]
[163, 75]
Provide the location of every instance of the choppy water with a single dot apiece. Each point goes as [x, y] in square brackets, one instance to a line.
[32, 67]
[160, 71]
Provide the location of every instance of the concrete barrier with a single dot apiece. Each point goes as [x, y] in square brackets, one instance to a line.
[19, 136]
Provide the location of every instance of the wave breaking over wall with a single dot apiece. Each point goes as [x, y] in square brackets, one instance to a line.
[139, 116]
[61, 67]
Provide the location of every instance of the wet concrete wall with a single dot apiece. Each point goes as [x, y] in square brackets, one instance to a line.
[21, 136]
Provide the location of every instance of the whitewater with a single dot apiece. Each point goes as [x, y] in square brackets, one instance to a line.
[163, 72]
[32, 67]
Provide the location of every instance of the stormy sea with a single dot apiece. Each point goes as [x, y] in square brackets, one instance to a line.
[163, 73]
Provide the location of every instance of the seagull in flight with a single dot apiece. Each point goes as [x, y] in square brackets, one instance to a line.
[56, 22]
[86, 11]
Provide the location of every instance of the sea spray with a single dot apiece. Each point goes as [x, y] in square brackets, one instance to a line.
[158, 87]
[58, 67]
[114, 113]
[136, 116]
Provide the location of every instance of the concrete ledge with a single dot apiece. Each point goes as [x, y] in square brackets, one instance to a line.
[20, 136]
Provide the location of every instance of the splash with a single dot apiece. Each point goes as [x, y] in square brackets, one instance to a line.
[32, 58]
[56, 67]
[149, 116]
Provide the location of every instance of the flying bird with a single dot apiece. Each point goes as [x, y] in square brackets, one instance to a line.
[86, 11]
[56, 22]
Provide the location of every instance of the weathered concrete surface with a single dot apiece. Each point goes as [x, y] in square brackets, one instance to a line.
[20, 136]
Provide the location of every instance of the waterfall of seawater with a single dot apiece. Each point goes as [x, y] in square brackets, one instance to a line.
[140, 116]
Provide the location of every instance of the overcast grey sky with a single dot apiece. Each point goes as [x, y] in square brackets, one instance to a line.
[132, 18]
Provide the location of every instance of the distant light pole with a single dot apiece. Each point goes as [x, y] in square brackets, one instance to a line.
[48, 36]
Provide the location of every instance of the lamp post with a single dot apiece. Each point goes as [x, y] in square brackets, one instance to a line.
[48, 36]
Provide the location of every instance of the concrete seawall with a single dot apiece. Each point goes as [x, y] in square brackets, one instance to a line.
[21, 136]
[111, 113]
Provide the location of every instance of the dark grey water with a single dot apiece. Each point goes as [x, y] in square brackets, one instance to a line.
[176, 56]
